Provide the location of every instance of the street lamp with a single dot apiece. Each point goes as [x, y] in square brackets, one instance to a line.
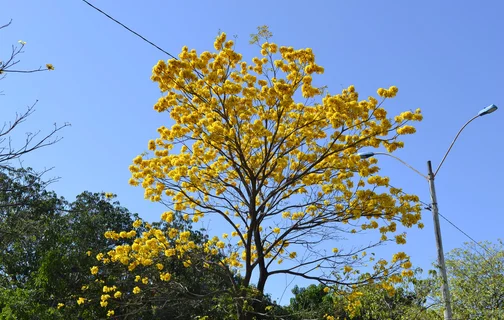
[434, 205]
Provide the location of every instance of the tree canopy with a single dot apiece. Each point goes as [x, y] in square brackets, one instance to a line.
[45, 246]
[476, 280]
[275, 157]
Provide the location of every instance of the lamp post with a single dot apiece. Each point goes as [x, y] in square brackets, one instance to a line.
[434, 205]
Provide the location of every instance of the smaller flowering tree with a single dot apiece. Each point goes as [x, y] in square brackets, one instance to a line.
[275, 158]
[160, 287]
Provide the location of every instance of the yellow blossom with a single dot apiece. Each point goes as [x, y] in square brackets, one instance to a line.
[137, 223]
[165, 276]
[94, 270]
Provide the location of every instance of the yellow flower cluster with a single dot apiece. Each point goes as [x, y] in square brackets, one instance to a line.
[94, 270]
[388, 93]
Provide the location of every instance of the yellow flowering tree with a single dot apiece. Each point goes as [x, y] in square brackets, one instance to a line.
[165, 289]
[275, 157]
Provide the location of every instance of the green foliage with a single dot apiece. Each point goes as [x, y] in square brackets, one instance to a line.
[43, 245]
[23, 304]
[409, 301]
[476, 280]
[313, 302]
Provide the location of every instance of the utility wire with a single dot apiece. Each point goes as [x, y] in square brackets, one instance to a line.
[428, 207]
[149, 42]
[464, 233]
[130, 30]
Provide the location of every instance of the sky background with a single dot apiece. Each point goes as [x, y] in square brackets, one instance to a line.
[445, 57]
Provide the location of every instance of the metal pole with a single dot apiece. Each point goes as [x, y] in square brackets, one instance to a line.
[439, 244]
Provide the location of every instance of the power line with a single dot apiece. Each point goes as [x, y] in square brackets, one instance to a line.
[464, 233]
[428, 207]
[149, 42]
[129, 29]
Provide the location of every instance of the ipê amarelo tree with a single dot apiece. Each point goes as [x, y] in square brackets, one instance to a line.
[275, 158]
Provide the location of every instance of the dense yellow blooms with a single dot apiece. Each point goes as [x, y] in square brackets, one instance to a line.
[259, 144]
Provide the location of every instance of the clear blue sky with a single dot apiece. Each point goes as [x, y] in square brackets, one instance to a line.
[446, 57]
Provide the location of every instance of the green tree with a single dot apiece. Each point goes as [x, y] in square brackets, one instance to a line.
[315, 301]
[476, 280]
[408, 301]
[44, 246]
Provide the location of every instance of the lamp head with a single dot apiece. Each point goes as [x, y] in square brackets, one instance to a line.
[365, 155]
[491, 108]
